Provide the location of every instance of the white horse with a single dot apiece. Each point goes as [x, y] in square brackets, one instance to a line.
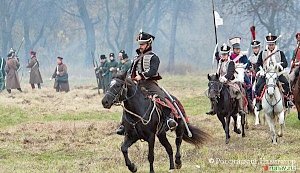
[272, 100]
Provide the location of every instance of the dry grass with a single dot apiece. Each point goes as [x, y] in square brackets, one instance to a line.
[44, 131]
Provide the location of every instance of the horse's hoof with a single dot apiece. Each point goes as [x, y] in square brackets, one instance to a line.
[133, 168]
[246, 126]
[280, 134]
[238, 131]
[227, 141]
[243, 135]
[178, 166]
[171, 170]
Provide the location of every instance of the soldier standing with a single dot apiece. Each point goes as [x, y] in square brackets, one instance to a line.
[125, 63]
[103, 71]
[61, 76]
[35, 75]
[113, 66]
[2, 73]
[11, 69]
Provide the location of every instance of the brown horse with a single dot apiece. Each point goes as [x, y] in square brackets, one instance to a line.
[296, 94]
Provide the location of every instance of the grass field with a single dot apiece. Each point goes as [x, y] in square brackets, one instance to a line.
[44, 131]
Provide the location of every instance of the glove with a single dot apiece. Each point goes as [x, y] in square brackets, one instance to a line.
[50, 78]
[57, 73]
[223, 79]
[111, 69]
[95, 68]
[278, 66]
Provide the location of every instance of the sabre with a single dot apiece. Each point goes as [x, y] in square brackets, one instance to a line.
[178, 110]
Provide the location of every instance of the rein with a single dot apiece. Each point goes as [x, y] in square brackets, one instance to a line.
[150, 111]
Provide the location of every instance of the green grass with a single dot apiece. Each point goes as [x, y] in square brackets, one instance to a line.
[84, 141]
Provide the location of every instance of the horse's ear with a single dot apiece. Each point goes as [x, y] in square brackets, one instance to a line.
[208, 77]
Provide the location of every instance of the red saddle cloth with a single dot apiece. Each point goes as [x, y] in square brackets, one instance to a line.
[170, 105]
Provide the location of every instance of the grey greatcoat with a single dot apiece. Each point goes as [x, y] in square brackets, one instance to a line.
[12, 78]
[35, 75]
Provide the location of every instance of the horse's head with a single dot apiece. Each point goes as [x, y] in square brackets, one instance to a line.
[214, 86]
[117, 91]
[271, 80]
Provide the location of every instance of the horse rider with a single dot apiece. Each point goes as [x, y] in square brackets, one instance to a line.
[226, 70]
[255, 45]
[240, 58]
[295, 62]
[144, 70]
[273, 52]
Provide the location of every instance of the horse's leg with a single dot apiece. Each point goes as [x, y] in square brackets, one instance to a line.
[281, 123]
[243, 124]
[178, 141]
[227, 129]
[165, 142]
[235, 123]
[124, 148]
[151, 141]
[270, 121]
[222, 120]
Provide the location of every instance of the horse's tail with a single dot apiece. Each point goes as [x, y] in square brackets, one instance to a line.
[198, 138]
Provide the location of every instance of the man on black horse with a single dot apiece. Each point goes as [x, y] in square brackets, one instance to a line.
[144, 70]
[226, 70]
[273, 52]
[294, 73]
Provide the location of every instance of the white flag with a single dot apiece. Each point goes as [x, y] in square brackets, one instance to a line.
[218, 19]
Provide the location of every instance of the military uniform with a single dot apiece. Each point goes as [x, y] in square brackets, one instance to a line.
[226, 70]
[61, 78]
[2, 73]
[277, 56]
[125, 64]
[11, 69]
[35, 75]
[113, 66]
[295, 63]
[145, 69]
[104, 72]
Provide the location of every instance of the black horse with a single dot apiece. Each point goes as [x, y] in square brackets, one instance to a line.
[224, 105]
[143, 119]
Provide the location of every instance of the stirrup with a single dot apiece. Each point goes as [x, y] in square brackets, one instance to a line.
[171, 128]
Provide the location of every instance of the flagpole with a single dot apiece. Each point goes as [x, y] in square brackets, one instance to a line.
[216, 37]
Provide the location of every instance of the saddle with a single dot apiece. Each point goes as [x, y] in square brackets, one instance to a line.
[168, 104]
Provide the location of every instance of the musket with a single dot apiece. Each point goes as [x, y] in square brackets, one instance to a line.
[95, 66]
[180, 113]
[20, 45]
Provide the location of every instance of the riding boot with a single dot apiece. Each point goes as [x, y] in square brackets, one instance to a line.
[39, 86]
[32, 86]
[19, 89]
[121, 130]
[9, 91]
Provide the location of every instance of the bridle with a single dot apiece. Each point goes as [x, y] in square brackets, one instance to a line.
[219, 88]
[121, 95]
